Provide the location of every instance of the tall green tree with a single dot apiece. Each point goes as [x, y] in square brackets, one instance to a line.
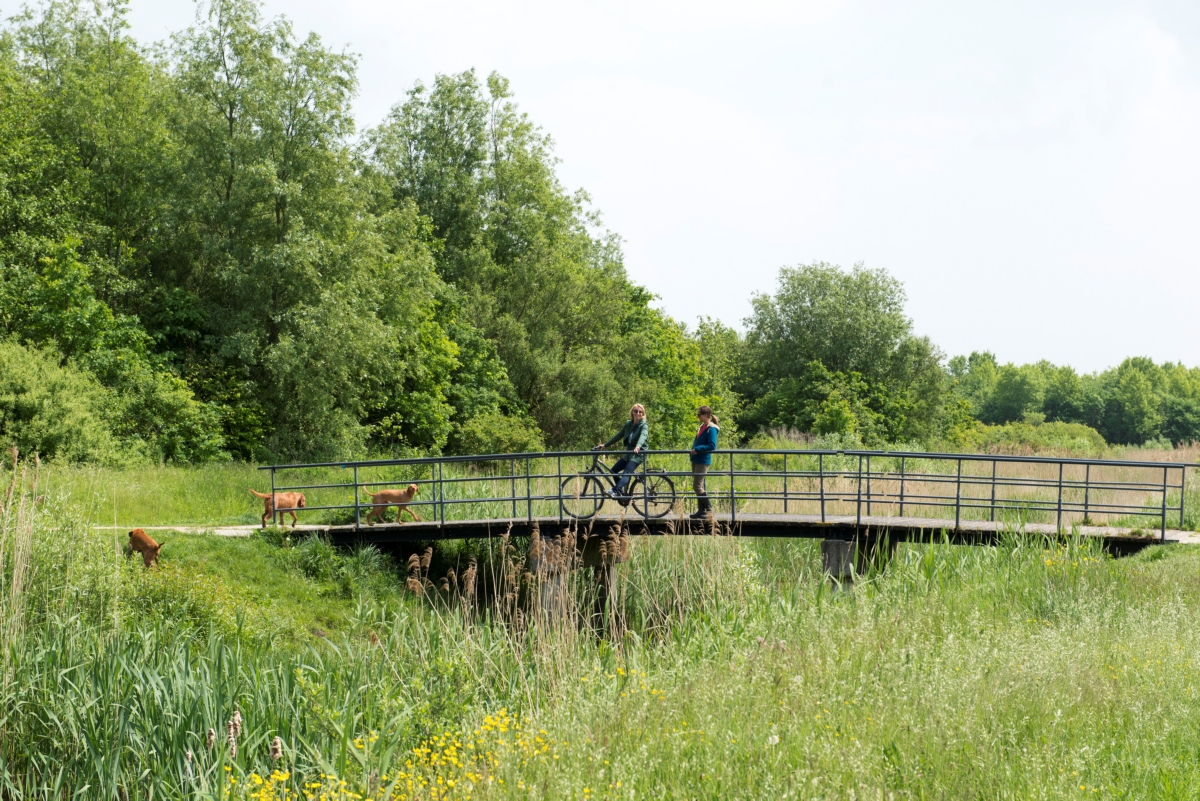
[533, 270]
[827, 331]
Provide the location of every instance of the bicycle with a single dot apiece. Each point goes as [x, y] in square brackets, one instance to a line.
[651, 492]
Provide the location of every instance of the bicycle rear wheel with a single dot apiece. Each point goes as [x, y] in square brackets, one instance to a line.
[657, 497]
[581, 495]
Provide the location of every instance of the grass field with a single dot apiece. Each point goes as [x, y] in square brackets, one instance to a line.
[723, 669]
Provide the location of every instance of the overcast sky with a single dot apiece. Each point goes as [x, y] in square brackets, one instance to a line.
[1029, 170]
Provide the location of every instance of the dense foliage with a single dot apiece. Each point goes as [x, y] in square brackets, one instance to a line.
[201, 234]
[1136, 402]
[202, 257]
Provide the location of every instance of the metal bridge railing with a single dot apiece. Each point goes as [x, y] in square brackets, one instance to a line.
[819, 484]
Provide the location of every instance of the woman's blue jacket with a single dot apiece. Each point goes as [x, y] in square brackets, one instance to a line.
[704, 444]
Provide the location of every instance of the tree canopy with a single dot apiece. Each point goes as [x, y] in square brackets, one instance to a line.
[203, 231]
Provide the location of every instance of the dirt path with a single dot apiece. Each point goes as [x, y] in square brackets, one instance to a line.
[220, 531]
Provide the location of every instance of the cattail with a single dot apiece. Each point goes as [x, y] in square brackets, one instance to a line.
[445, 584]
[468, 579]
[276, 749]
[426, 559]
[232, 734]
[414, 563]
[414, 586]
[452, 578]
[189, 756]
[212, 739]
[237, 723]
[373, 637]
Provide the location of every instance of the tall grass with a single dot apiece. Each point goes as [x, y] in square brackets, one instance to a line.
[720, 668]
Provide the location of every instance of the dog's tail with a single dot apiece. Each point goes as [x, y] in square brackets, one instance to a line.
[371, 495]
[260, 494]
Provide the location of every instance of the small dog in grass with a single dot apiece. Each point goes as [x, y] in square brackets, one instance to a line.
[141, 542]
[381, 500]
[282, 502]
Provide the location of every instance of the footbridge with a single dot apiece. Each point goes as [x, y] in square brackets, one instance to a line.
[848, 496]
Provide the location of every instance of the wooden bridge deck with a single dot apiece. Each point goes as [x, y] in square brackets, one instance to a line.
[900, 529]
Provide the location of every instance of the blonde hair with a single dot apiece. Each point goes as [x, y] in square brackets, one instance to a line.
[708, 412]
[635, 407]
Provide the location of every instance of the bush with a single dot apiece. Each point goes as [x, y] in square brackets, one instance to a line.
[1030, 437]
[56, 411]
[494, 432]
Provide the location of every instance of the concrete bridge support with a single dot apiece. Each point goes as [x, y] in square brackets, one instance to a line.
[842, 560]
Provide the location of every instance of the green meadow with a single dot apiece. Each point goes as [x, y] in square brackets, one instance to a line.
[720, 667]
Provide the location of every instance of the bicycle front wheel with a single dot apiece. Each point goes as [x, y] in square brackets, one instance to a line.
[581, 496]
[653, 494]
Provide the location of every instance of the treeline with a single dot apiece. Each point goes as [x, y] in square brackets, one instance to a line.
[202, 257]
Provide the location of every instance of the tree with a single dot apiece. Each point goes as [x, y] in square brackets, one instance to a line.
[1064, 397]
[848, 321]
[1131, 415]
[1018, 391]
[532, 269]
[826, 328]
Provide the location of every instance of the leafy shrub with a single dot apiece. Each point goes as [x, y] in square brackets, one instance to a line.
[57, 411]
[495, 432]
[1030, 437]
[317, 558]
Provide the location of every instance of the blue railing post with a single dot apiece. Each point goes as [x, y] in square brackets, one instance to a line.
[958, 496]
[441, 495]
[785, 484]
[858, 501]
[992, 507]
[1058, 524]
[1182, 493]
[1087, 491]
[357, 518]
[868, 486]
[1163, 534]
[821, 475]
[732, 493]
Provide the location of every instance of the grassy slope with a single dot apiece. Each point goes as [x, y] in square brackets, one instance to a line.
[212, 494]
[265, 585]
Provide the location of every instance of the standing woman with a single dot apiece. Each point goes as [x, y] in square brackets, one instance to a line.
[702, 448]
[633, 436]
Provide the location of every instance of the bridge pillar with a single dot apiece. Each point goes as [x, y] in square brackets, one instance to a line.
[837, 560]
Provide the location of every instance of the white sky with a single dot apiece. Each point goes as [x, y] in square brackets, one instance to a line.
[1029, 170]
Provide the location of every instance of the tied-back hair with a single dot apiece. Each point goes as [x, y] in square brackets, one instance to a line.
[708, 412]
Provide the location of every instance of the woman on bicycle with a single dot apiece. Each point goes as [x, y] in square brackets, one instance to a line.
[702, 448]
[633, 436]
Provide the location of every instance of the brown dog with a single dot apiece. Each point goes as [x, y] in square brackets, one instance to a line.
[140, 541]
[381, 500]
[283, 502]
